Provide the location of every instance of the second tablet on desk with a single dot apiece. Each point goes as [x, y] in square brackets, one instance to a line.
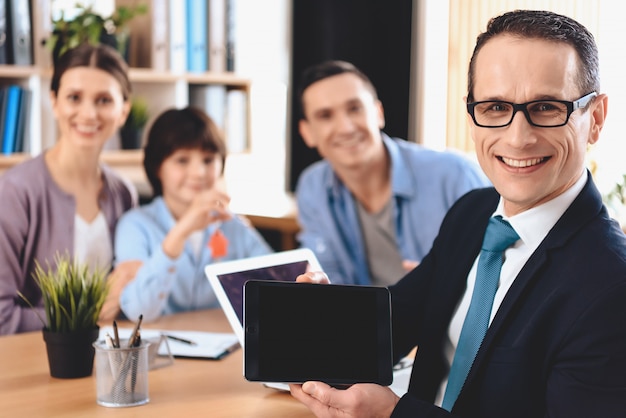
[338, 334]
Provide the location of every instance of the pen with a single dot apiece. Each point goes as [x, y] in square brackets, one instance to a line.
[227, 351]
[180, 340]
[116, 336]
[134, 362]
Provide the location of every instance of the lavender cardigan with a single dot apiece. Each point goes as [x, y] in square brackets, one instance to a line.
[36, 221]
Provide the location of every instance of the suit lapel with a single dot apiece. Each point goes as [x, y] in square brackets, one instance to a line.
[584, 208]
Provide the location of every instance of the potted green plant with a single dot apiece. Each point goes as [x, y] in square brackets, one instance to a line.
[73, 297]
[132, 131]
[89, 26]
[616, 201]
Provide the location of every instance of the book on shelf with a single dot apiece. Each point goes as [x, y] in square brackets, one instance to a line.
[212, 99]
[22, 132]
[20, 51]
[3, 108]
[196, 36]
[236, 129]
[41, 25]
[149, 44]
[177, 36]
[231, 34]
[217, 35]
[3, 32]
[11, 115]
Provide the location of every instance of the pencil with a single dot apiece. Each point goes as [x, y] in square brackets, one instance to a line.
[133, 336]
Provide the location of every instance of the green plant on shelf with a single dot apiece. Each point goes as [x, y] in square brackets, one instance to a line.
[615, 201]
[132, 132]
[89, 26]
[618, 193]
[138, 115]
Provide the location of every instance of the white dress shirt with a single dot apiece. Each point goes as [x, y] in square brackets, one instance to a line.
[532, 226]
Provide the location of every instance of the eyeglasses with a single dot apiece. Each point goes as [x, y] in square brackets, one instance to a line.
[541, 113]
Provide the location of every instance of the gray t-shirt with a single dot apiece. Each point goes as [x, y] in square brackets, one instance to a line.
[384, 259]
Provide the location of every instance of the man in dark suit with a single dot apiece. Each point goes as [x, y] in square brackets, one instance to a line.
[555, 345]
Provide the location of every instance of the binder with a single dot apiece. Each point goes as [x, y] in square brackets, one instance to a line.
[231, 42]
[177, 36]
[3, 32]
[18, 35]
[3, 107]
[42, 26]
[211, 99]
[11, 114]
[217, 35]
[23, 120]
[236, 121]
[149, 44]
[196, 36]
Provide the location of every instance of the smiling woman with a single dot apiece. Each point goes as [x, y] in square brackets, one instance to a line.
[64, 200]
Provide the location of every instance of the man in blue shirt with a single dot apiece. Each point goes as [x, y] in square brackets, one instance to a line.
[372, 207]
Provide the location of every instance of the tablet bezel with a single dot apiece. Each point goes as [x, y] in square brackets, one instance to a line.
[214, 271]
[332, 296]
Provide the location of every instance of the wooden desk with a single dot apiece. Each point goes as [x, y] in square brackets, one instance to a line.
[189, 388]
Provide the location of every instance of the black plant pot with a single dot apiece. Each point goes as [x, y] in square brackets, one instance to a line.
[131, 138]
[70, 354]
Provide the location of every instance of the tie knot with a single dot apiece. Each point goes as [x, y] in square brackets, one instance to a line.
[499, 235]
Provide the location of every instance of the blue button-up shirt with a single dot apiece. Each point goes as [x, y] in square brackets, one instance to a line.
[425, 183]
[164, 285]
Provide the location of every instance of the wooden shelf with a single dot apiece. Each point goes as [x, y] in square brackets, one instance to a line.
[8, 161]
[146, 75]
[17, 71]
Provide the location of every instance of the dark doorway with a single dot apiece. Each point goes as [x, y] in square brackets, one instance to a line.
[375, 35]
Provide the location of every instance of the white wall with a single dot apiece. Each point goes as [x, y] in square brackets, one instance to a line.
[430, 72]
[263, 55]
[610, 151]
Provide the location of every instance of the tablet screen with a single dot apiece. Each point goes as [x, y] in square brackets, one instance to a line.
[233, 283]
[339, 334]
[227, 278]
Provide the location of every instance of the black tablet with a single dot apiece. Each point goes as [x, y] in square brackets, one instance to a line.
[296, 332]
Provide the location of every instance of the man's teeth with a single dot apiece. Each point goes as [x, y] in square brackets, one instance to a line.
[521, 163]
[87, 129]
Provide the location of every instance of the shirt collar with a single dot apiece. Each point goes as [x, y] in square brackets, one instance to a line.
[534, 224]
[401, 184]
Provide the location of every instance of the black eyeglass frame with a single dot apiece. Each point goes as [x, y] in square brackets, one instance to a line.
[580, 103]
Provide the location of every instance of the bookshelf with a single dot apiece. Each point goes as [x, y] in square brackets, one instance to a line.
[160, 88]
[261, 197]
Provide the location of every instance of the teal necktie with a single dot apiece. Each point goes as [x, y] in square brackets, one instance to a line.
[498, 237]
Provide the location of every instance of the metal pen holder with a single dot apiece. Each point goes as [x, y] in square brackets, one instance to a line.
[122, 374]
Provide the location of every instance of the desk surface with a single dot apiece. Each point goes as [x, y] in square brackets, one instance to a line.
[187, 388]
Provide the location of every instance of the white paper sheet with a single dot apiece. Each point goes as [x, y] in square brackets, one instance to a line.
[208, 345]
